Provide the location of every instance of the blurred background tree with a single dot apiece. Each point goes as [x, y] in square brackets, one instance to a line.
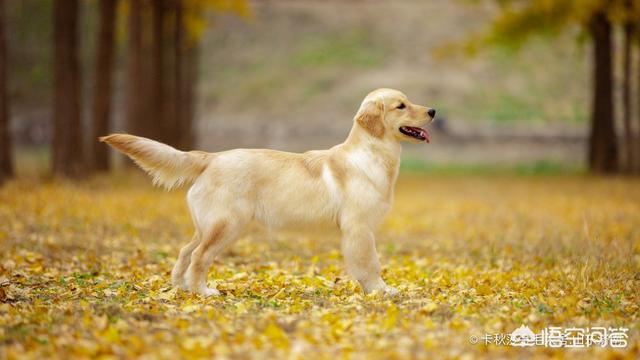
[163, 38]
[103, 88]
[6, 155]
[518, 20]
[67, 153]
[162, 65]
[166, 33]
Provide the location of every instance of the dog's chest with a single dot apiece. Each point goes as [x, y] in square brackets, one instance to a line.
[379, 173]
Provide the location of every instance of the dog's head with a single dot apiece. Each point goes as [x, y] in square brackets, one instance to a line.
[388, 114]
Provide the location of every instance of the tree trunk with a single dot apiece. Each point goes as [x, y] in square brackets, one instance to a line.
[157, 114]
[171, 67]
[184, 79]
[629, 162]
[626, 99]
[178, 76]
[635, 138]
[67, 133]
[603, 149]
[191, 64]
[103, 84]
[6, 158]
[135, 120]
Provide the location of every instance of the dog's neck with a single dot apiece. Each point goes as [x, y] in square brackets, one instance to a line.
[362, 139]
[381, 157]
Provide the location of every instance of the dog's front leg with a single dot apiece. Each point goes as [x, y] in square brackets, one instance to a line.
[361, 258]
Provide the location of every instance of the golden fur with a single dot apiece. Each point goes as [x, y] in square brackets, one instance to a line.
[349, 186]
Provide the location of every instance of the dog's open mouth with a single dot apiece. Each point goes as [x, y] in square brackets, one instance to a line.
[416, 133]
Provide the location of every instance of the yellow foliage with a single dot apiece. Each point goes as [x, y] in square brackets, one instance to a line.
[196, 15]
[516, 21]
[85, 272]
[196, 12]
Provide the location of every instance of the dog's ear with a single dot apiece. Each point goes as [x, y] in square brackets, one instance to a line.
[370, 117]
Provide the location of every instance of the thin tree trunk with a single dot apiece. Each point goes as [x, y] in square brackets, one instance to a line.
[603, 148]
[149, 110]
[67, 133]
[191, 63]
[629, 162]
[135, 120]
[158, 115]
[171, 82]
[178, 77]
[6, 158]
[637, 135]
[103, 85]
[185, 76]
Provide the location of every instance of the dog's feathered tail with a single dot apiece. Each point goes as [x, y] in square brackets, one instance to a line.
[169, 167]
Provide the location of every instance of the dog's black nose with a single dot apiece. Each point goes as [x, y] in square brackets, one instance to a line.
[431, 112]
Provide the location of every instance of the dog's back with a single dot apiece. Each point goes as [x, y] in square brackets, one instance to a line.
[280, 189]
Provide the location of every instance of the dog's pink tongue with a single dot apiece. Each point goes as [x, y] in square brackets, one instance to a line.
[425, 134]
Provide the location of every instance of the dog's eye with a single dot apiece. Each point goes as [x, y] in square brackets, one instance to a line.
[401, 106]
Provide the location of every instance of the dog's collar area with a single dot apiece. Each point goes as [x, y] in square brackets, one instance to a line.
[415, 132]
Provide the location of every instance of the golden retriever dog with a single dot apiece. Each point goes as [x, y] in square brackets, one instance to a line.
[349, 187]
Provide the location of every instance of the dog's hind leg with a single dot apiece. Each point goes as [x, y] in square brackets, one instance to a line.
[184, 259]
[216, 238]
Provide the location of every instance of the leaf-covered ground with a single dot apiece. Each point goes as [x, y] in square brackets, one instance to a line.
[85, 269]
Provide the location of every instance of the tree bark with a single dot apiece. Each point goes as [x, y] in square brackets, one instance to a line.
[191, 63]
[185, 63]
[103, 84]
[629, 162]
[6, 157]
[603, 147]
[636, 166]
[135, 120]
[178, 76]
[157, 81]
[635, 138]
[67, 159]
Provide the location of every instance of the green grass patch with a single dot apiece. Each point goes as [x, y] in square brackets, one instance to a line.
[543, 167]
[354, 48]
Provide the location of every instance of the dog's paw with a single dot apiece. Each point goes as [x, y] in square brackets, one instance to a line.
[390, 291]
[206, 292]
[385, 291]
[179, 284]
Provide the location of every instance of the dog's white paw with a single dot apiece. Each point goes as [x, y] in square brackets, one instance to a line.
[209, 292]
[384, 290]
[179, 284]
[390, 290]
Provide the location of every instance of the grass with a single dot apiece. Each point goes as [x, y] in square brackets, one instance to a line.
[353, 48]
[519, 87]
[274, 79]
[307, 58]
[542, 167]
[85, 273]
